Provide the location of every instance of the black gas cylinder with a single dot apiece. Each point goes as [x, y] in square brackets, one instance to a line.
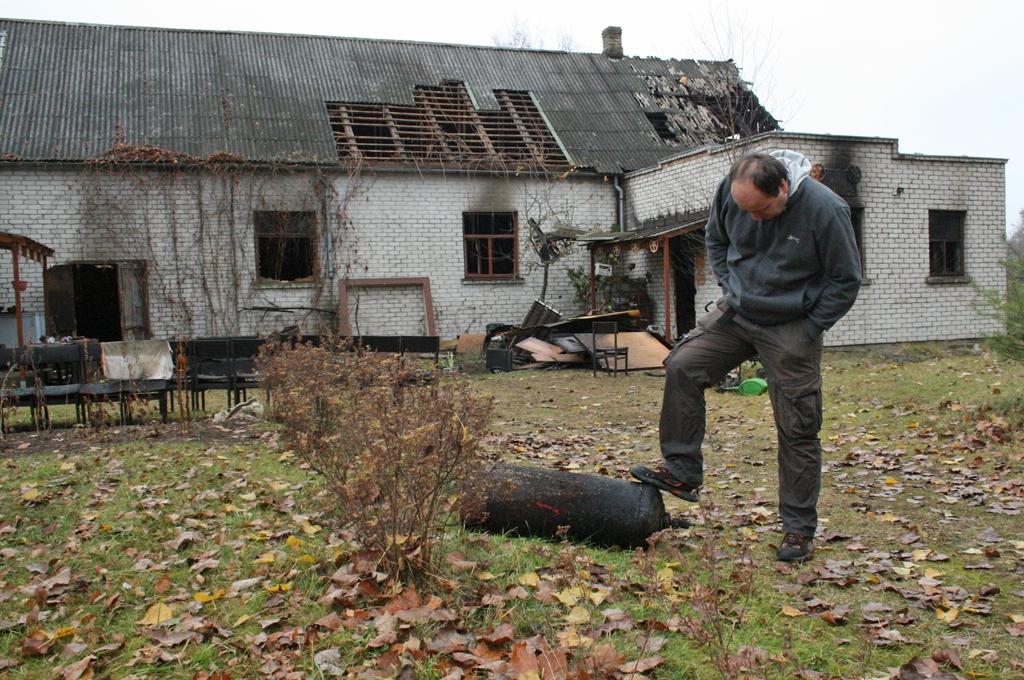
[536, 501]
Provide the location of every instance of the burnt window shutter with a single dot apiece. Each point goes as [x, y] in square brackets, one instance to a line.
[59, 289]
[131, 283]
[946, 242]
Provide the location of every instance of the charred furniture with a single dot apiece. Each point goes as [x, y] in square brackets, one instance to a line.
[223, 363]
[603, 334]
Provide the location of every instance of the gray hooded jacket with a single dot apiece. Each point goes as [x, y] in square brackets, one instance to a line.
[802, 264]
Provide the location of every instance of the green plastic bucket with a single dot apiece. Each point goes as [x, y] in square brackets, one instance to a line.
[752, 387]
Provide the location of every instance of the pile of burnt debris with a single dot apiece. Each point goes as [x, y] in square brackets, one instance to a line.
[612, 341]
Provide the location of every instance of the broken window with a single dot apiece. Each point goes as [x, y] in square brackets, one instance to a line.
[285, 250]
[857, 219]
[491, 245]
[946, 242]
[661, 126]
[444, 128]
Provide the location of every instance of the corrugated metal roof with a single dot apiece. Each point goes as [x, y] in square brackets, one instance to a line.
[667, 226]
[71, 91]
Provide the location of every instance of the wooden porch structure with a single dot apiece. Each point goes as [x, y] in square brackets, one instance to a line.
[22, 246]
[655, 240]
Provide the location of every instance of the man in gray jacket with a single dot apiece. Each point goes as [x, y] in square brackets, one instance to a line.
[783, 250]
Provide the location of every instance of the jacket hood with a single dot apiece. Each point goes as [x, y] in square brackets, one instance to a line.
[797, 166]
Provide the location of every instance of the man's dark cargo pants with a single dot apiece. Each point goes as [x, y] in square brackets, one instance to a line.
[792, 362]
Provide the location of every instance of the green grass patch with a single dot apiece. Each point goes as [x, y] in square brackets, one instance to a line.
[920, 507]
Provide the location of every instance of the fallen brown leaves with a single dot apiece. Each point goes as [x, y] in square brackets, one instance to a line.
[218, 548]
[391, 619]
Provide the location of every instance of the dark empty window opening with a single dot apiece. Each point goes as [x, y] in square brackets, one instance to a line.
[857, 219]
[946, 242]
[662, 127]
[491, 245]
[285, 250]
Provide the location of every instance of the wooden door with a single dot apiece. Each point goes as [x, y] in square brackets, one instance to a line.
[59, 290]
[131, 284]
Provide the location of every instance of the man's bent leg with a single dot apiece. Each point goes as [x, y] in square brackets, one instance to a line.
[700, 360]
[792, 361]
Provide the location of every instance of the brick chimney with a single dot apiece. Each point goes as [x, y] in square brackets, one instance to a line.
[611, 37]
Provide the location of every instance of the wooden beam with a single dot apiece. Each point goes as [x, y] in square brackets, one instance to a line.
[666, 275]
[593, 281]
[393, 127]
[16, 254]
[46, 304]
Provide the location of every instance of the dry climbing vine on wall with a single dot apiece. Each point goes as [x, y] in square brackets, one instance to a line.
[118, 224]
[192, 219]
[153, 204]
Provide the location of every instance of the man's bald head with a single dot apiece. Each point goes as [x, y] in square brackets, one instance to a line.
[764, 171]
[760, 185]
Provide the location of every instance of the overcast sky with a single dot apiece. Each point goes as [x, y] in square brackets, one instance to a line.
[942, 77]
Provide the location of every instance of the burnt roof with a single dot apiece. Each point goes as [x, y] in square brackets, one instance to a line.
[71, 92]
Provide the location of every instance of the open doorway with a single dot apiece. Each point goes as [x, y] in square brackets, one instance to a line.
[97, 309]
[104, 301]
[683, 250]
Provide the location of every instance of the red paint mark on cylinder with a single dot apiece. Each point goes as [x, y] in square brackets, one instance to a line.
[544, 506]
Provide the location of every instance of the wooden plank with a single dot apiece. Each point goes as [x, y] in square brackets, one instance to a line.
[546, 358]
[537, 346]
[645, 351]
[528, 366]
[547, 352]
[666, 277]
[574, 358]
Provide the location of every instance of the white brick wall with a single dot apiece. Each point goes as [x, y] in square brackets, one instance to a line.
[898, 304]
[195, 232]
[430, 209]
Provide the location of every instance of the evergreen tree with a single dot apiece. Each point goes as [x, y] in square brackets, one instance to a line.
[1009, 309]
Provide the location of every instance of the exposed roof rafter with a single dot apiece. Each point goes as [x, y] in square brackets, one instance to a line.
[444, 128]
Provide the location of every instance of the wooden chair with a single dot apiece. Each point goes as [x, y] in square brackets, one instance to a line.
[60, 375]
[603, 333]
[244, 375]
[127, 378]
[209, 368]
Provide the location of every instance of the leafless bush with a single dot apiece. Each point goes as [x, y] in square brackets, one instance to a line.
[392, 446]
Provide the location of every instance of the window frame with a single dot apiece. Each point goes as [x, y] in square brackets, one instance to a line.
[857, 220]
[489, 239]
[311, 221]
[961, 266]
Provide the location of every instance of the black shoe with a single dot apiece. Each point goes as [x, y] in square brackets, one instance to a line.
[666, 481]
[796, 548]
[677, 522]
